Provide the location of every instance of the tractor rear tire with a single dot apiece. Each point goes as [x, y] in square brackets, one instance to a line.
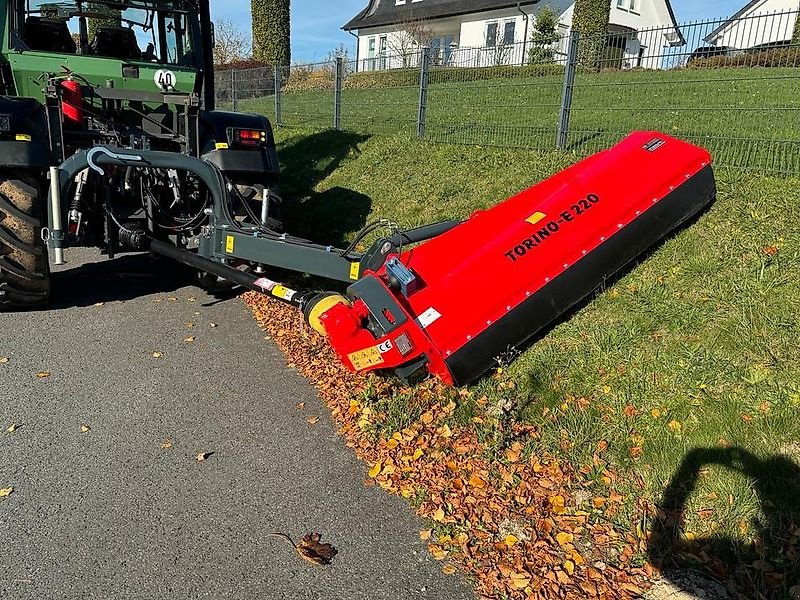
[24, 264]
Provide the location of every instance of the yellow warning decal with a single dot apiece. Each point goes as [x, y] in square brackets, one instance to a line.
[535, 218]
[229, 244]
[355, 270]
[23, 137]
[222, 146]
[363, 359]
[282, 292]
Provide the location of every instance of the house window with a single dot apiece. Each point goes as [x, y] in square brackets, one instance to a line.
[634, 5]
[491, 35]
[621, 4]
[382, 52]
[371, 54]
[509, 28]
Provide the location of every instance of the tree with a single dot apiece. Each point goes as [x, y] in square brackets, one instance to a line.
[271, 43]
[411, 35]
[543, 37]
[105, 16]
[590, 19]
[232, 43]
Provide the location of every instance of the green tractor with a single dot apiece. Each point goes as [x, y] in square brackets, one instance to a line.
[131, 85]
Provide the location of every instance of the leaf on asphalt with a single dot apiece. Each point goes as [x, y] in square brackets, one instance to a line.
[315, 551]
[4, 360]
[203, 456]
[212, 325]
[425, 534]
[43, 374]
[12, 428]
[172, 299]
[189, 325]
[85, 429]
[158, 354]
[6, 492]
[313, 420]
[167, 445]
[189, 339]
[192, 299]
[99, 304]
[449, 570]
[300, 405]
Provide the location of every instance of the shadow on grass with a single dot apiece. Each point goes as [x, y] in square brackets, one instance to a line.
[325, 217]
[767, 568]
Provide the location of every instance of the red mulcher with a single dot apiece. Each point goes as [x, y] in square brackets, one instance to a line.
[456, 305]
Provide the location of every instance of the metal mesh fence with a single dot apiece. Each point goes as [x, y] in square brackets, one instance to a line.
[730, 85]
[504, 95]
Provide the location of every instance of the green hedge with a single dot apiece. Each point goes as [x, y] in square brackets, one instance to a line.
[590, 19]
[779, 57]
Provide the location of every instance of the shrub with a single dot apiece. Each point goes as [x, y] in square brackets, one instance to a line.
[777, 57]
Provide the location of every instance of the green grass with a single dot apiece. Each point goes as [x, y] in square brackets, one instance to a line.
[692, 352]
[749, 117]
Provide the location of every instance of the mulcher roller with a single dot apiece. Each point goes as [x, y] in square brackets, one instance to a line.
[457, 304]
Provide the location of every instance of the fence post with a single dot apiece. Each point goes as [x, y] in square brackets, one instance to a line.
[424, 67]
[277, 96]
[569, 85]
[337, 94]
[233, 89]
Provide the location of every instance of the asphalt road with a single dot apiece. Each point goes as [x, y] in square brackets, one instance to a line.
[109, 513]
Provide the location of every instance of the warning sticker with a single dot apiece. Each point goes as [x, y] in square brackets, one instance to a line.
[265, 284]
[283, 292]
[229, 244]
[363, 359]
[428, 317]
[355, 271]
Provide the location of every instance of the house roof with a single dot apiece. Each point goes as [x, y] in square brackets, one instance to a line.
[385, 12]
[739, 14]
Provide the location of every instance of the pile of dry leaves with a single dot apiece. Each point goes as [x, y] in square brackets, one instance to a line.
[512, 523]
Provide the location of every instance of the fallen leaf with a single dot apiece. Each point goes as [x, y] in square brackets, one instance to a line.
[438, 515]
[425, 534]
[563, 538]
[510, 540]
[519, 581]
[6, 492]
[300, 405]
[189, 325]
[314, 551]
[427, 418]
[85, 429]
[4, 360]
[192, 299]
[172, 299]
[12, 428]
[212, 325]
[189, 339]
[157, 354]
[166, 445]
[43, 374]
[569, 567]
[770, 250]
[375, 470]
[99, 304]
[313, 420]
[449, 570]
[203, 456]
[674, 426]
[476, 481]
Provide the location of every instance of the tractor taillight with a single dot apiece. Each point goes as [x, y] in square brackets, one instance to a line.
[249, 137]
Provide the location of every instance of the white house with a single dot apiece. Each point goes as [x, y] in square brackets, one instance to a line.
[758, 23]
[498, 32]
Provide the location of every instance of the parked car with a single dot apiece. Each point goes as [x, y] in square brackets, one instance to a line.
[709, 52]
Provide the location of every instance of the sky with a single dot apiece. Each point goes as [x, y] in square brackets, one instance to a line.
[316, 24]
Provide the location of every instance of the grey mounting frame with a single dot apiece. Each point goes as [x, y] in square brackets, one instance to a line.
[223, 241]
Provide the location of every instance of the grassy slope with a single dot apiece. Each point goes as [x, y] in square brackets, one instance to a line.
[735, 111]
[695, 348]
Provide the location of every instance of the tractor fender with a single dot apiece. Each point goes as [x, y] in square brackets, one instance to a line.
[216, 145]
[24, 141]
